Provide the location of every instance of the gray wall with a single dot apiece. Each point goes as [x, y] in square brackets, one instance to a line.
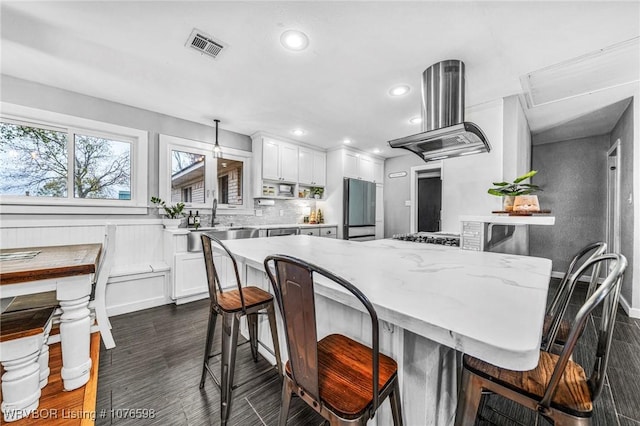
[27, 93]
[624, 131]
[397, 216]
[573, 175]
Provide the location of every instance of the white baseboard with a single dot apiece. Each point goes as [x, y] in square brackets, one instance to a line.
[631, 312]
[137, 305]
[193, 298]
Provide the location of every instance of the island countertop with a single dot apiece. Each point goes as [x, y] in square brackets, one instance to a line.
[488, 305]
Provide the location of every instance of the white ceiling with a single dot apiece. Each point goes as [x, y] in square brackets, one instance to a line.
[134, 53]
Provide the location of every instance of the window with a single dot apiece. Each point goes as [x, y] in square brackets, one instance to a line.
[52, 162]
[189, 173]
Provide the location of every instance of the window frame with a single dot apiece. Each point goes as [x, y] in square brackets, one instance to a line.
[168, 143]
[73, 125]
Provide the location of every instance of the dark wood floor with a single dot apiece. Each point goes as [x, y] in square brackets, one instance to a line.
[156, 368]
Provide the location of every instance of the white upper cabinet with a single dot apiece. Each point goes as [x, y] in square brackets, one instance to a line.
[360, 166]
[312, 167]
[279, 161]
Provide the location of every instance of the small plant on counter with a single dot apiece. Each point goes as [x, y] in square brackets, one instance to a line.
[174, 212]
[516, 187]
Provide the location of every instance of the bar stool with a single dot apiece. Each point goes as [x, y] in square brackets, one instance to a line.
[24, 354]
[558, 388]
[232, 305]
[554, 322]
[341, 379]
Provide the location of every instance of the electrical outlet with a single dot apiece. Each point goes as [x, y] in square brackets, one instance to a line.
[407, 203]
[258, 212]
[630, 199]
[281, 212]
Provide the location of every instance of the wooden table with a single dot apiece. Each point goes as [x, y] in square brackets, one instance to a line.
[69, 270]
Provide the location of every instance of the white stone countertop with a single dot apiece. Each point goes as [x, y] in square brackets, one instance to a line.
[489, 305]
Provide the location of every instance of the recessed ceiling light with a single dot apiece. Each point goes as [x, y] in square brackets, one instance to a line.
[294, 40]
[347, 141]
[415, 120]
[298, 132]
[376, 151]
[399, 90]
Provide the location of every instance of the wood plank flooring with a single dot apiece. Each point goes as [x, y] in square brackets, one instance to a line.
[60, 408]
[157, 365]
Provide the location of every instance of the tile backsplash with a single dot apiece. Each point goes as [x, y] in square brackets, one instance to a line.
[293, 211]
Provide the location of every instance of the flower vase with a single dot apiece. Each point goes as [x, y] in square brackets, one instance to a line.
[171, 223]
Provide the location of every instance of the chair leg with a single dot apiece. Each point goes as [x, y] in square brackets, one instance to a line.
[468, 399]
[252, 323]
[287, 392]
[104, 325]
[396, 409]
[230, 327]
[211, 328]
[271, 314]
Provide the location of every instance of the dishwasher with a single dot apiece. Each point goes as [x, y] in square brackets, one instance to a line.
[279, 232]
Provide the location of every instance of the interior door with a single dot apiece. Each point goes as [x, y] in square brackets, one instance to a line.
[429, 203]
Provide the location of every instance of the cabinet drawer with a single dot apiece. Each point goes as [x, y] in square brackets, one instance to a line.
[329, 232]
[310, 231]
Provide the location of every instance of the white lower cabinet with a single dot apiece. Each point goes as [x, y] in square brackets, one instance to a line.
[189, 276]
[320, 231]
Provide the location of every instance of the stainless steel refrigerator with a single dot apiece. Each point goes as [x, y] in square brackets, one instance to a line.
[359, 222]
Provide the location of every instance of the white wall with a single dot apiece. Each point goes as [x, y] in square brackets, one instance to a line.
[466, 179]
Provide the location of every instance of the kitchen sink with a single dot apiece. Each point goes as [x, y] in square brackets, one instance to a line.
[194, 243]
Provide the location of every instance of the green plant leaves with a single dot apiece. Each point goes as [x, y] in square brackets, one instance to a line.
[525, 176]
[516, 188]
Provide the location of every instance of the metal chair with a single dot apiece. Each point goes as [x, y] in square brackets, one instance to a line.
[553, 321]
[558, 388]
[341, 379]
[233, 304]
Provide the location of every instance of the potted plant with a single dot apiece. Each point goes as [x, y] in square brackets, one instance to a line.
[317, 192]
[511, 191]
[174, 212]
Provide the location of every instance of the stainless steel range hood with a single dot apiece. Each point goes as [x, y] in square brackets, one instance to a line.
[445, 134]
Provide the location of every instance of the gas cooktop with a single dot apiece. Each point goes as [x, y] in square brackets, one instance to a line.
[443, 238]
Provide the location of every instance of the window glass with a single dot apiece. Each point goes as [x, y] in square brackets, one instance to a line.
[230, 181]
[102, 168]
[187, 177]
[34, 161]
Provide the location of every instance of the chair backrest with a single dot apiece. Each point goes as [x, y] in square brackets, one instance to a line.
[607, 294]
[294, 290]
[106, 261]
[560, 301]
[209, 244]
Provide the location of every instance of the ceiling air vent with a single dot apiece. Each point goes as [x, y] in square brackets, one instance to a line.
[204, 43]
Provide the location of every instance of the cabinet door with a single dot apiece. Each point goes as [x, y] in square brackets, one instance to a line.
[350, 165]
[190, 277]
[270, 159]
[306, 161]
[319, 168]
[366, 169]
[289, 162]
[378, 172]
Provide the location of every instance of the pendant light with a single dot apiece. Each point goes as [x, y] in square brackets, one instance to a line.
[217, 151]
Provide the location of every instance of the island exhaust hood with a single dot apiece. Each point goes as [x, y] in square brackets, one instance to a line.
[445, 134]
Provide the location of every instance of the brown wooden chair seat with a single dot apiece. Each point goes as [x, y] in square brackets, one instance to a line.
[345, 375]
[573, 394]
[341, 379]
[563, 329]
[231, 305]
[230, 300]
[558, 388]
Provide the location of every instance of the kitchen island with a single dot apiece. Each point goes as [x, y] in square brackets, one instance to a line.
[432, 300]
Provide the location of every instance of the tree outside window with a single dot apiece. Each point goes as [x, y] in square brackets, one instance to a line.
[35, 163]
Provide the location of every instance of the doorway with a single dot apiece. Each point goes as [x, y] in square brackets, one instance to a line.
[429, 202]
[613, 198]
